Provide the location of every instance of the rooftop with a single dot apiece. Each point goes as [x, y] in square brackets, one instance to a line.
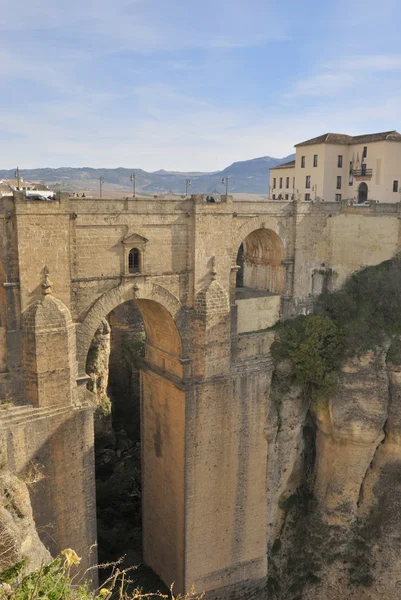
[346, 140]
[287, 165]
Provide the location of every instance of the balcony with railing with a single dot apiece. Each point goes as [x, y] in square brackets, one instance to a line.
[363, 172]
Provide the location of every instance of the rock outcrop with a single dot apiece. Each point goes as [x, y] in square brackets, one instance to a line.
[337, 535]
[18, 536]
[97, 366]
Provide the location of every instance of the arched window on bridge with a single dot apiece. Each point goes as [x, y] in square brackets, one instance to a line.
[134, 257]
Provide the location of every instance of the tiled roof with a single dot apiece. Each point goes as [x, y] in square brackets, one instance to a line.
[392, 136]
[286, 165]
[346, 140]
[328, 138]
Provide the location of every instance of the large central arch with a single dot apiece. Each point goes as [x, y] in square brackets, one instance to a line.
[162, 423]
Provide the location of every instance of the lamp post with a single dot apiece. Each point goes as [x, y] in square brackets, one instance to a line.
[101, 182]
[225, 181]
[187, 184]
[133, 179]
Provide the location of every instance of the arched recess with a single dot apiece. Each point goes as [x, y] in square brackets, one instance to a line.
[261, 256]
[162, 408]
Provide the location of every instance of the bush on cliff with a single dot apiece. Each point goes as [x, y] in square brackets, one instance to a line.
[315, 346]
[362, 315]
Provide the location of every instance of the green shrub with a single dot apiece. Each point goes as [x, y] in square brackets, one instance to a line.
[315, 347]
[362, 315]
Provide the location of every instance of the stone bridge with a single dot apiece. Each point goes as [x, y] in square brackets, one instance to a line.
[209, 280]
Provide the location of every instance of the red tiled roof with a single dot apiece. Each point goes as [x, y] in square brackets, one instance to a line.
[346, 140]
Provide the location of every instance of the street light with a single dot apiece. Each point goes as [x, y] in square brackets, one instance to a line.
[101, 182]
[225, 181]
[187, 184]
[133, 179]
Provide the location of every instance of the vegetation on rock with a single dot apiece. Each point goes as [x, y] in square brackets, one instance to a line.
[361, 316]
[55, 582]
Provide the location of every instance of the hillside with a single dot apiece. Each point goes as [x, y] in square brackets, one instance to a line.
[249, 176]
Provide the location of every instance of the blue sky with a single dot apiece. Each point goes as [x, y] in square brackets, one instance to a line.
[191, 85]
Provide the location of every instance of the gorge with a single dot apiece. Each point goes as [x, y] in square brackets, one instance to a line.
[263, 355]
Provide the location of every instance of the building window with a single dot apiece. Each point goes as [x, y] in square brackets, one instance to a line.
[293, 183]
[287, 182]
[315, 160]
[302, 162]
[307, 182]
[281, 182]
[274, 196]
[339, 182]
[133, 261]
[338, 197]
[307, 197]
[365, 152]
[274, 182]
[395, 185]
[286, 196]
[340, 161]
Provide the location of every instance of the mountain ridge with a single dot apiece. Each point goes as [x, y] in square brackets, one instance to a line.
[249, 176]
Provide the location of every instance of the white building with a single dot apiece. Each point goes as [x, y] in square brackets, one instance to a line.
[334, 167]
[33, 190]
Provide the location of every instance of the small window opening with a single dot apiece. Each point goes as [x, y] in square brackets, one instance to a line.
[133, 261]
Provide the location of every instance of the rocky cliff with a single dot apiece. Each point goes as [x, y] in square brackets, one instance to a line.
[19, 539]
[335, 457]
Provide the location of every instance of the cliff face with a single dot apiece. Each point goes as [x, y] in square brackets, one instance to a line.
[97, 367]
[335, 487]
[18, 536]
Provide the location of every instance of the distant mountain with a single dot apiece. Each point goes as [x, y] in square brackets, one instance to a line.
[248, 176]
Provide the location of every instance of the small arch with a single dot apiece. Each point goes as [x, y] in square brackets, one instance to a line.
[362, 192]
[134, 261]
[260, 258]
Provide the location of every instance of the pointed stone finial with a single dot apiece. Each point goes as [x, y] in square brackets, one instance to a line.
[47, 283]
[213, 271]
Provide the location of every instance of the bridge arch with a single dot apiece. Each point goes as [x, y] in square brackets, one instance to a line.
[264, 222]
[165, 308]
[162, 418]
[260, 259]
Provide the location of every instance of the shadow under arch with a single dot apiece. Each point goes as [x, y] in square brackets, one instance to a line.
[260, 260]
[162, 419]
[160, 310]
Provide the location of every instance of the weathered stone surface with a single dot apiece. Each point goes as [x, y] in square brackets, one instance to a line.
[18, 536]
[204, 400]
[349, 513]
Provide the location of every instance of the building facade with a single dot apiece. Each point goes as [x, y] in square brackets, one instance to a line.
[335, 167]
